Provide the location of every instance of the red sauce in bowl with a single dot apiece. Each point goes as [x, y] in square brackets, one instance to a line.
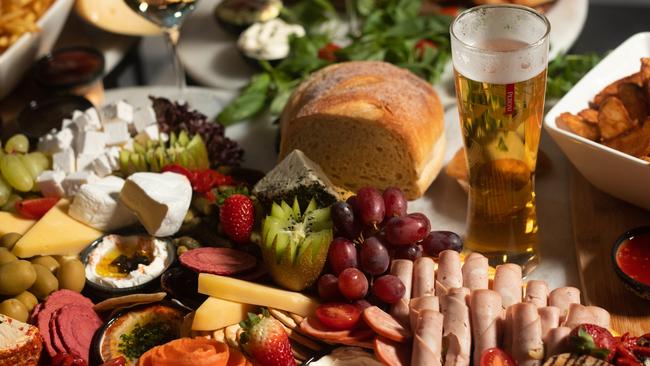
[633, 258]
[67, 67]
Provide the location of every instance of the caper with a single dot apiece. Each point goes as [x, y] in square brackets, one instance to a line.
[72, 275]
[47, 261]
[16, 277]
[45, 282]
[9, 240]
[14, 309]
[28, 299]
[188, 242]
[6, 256]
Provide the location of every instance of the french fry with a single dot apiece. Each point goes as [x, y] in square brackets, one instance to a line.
[18, 17]
[614, 119]
[577, 125]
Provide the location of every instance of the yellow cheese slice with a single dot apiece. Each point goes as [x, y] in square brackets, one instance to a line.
[252, 293]
[56, 233]
[217, 313]
[12, 223]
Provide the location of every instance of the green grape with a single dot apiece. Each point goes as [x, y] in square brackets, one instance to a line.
[39, 159]
[5, 191]
[15, 173]
[31, 168]
[17, 143]
[10, 205]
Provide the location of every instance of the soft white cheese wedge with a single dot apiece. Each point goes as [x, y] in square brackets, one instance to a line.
[98, 205]
[160, 201]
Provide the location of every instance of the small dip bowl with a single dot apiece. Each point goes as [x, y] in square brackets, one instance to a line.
[103, 291]
[41, 116]
[631, 260]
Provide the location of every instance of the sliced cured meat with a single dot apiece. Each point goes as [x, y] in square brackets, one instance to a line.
[550, 317]
[580, 314]
[385, 325]
[76, 325]
[456, 328]
[392, 353]
[427, 339]
[218, 261]
[562, 298]
[449, 274]
[403, 269]
[52, 304]
[312, 327]
[506, 330]
[256, 273]
[485, 315]
[55, 340]
[537, 293]
[475, 271]
[33, 317]
[555, 340]
[508, 283]
[528, 350]
[429, 302]
[423, 277]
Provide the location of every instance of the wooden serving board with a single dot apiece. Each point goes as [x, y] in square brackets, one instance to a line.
[598, 220]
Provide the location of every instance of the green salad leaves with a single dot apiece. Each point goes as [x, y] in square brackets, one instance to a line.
[565, 71]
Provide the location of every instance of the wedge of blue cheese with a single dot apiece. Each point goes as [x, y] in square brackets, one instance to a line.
[297, 176]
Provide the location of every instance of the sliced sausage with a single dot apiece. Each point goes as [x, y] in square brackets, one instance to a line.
[403, 269]
[475, 271]
[562, 298]
[312, 327]
[423, 277]
[508, 283]
[579, 314]
[555, 341]
[528, 349]
[536, 293]
[427, 339]
[485, 315]
[428, 302]
[392, 353]
[449, 274]
[456, 328]
[550, 317]
[385, 325]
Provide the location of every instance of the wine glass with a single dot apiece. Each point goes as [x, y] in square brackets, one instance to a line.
[169, 15]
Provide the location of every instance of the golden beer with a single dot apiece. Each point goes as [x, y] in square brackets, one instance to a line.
[500, 87]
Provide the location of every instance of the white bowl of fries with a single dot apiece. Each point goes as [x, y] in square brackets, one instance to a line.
[603, 124]
[28, 30]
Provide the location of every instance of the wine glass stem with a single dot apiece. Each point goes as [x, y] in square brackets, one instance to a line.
[172, 34]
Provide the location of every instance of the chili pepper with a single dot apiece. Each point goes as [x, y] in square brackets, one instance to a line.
[643, 351]
[627, 362]
[624, 353]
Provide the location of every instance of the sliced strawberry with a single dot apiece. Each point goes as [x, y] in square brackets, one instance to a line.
[592, 340]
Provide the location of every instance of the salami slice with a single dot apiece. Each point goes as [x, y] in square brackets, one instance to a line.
[52, 304]
[57, 344]
[392, 353]
[312, 327]
[76, 325]
[385, 325]
[218, 261]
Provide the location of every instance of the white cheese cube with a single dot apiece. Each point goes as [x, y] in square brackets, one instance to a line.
[113, 156]
[102, 166]
[85, 162]
[66, 123]
[143, 118]
[91, 142]
[88, 121]
[56, 142]
[76, 114]
[120, 111]
[160, 201]
[74, 181]
[49, 183]
[64, 161]
[152, 132]
[97, 204]
[117, 133]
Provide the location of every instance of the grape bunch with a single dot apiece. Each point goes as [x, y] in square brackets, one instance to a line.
[19, 169]
[371, 229]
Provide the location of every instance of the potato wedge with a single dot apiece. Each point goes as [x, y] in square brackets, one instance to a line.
[589, 115]
[634, 100]
[577, 125]
[613, 119]
[635, 142]
[612, 89]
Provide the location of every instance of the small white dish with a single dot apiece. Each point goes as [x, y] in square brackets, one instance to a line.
[621, 175]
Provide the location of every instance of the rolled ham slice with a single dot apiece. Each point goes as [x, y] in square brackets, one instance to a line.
[528, 349]
[536, 293]
[427, 340]
[550, 317]
[485, 314]
[417, 304]
[562, 298]
[508, 283]
[579, 314]
[475, 271]
[555, 341]
[449, 274]
[456, 328]
[403, 269]
[423, 277]
[506, 329]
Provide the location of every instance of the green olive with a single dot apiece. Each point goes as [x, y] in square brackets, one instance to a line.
[16, 277]
[47, 261]
[28, 299]
[14, 309]
[8, 240]
[45, 282]
[6, 256]
[72, 275]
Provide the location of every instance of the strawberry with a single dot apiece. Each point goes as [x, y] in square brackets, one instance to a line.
[265, 339]
[592, 340]
[237, 215]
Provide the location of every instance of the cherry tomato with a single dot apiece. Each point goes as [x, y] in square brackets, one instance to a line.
[66, 359]
[179, 169]
[338, 316]
[328, 52]
[496, 357]
[35, 208]
[421, 47]
[119, 361]
[452, 11]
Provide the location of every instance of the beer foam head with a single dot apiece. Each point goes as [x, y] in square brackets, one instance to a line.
[500, 44]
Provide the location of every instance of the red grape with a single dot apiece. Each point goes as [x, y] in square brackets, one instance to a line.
[343, 218]
[424, 220]
[353, 284]
[437, 241]
[328, 287]
[394, 202]
[342, 254]
[338, 316]
[388, 289]
[411, 252]
[362, 304]
[405, 230]
[371, 206]
[374, 256]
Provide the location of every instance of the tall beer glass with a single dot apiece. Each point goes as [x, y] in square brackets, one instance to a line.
[500, 56]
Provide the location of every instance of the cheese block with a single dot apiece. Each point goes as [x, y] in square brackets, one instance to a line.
[217, 313]
[98, 205]
[245, 292]
[12, 223]
[56, 233]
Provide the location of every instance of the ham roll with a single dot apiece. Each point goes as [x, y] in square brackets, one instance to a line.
[528, 350]
[562, 298]
[579, 314]
[456, 328]
[417, 304]
[506, 329]
[555, 341]
[427, 339]
[485, 313]
[449, 273]
[536, 293]
[550, 317]
[403, 269]
[423, 277]
[475, 271]
[508, 283]
[460, 293]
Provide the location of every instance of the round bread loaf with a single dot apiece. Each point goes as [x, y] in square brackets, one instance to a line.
[367, 123]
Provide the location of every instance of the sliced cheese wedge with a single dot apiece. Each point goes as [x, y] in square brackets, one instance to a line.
[252, 293]
[56, 233]
[217, 313]
[12, 223]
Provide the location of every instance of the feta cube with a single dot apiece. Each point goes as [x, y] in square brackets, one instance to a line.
[85, 161]
[102, 166]
[143, 118]
[66, 123]
[64, 161]
[152, 132]
[120, 111]
[113, 156]
[91, 142]
[49, 183]
[74, 181]
[76, 114]
[88, 121]
[56, 141]
[117, 133]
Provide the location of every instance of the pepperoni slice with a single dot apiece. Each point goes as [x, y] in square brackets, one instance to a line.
[311, 326]
[385, 325]
[52, 304]
[392, 353]
[76, 325]
[218, 261]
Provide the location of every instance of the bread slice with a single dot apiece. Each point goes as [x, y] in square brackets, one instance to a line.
[367, 123]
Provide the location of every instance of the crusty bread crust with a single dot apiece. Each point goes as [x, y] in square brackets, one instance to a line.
[373, 122]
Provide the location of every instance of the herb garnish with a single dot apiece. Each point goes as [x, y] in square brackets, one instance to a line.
[143, 338]
[566, 70]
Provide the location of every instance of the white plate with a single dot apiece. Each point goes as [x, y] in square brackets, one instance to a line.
[211, 58]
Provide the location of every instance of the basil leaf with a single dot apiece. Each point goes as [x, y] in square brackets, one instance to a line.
[251, 101]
